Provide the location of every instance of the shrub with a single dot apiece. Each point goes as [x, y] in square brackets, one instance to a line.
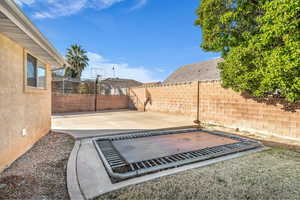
[260, 42]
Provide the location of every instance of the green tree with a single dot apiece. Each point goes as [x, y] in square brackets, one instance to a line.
[77, 59]
[260, 43]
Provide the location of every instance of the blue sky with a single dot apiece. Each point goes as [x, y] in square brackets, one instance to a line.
[144, 39]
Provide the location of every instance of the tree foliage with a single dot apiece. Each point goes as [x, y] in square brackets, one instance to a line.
[260, 43]
[77, 59]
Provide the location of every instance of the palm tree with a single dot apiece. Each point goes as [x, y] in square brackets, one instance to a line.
[77, 59]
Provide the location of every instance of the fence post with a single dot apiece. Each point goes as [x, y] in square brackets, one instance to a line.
[63, 85]
[197, 121]
[96, 91]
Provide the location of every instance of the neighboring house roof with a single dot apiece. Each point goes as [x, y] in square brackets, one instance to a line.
[207, 70]
[16, 26]
[121, 83]
[56, 78]
[111, 82]
[151, 84]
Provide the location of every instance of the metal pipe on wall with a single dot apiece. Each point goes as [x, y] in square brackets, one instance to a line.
[197, 121]
[96, 92]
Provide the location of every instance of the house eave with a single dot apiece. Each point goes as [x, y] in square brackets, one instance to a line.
[18, 27]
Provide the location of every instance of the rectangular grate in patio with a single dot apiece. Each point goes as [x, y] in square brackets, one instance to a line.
[139, 153]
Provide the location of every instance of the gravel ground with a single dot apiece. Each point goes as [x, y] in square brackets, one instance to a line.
[272, 174]
[41, 172]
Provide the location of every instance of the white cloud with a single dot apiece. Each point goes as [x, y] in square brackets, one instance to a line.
[102, 4]
[58, 8]
[61, 8]
[96, 58]
[160, 70]
[98, 65]
[22, 2]
[138, 5]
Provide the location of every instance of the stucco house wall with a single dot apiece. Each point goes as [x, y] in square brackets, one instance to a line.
[20, 107]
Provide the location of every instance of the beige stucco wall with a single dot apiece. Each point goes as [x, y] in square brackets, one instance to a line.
[20, 108]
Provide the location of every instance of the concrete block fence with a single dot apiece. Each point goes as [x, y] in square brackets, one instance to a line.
[218, 106]
[63, 103]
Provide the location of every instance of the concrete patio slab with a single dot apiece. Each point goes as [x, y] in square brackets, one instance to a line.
[90, 124]
[74, 189]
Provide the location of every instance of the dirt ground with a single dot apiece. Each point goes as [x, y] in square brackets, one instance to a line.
[40, 174]
[272, 174]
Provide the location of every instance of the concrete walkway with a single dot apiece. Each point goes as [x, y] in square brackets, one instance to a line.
[83, 125]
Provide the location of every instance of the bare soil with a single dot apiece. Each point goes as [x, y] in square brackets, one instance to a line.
[41, 172]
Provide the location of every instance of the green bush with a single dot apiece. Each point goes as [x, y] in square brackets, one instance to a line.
[260, 42]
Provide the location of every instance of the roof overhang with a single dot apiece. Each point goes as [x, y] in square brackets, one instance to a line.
[15, 25]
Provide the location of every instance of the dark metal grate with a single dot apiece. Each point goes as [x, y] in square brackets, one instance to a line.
[111, 155]
[119, 169]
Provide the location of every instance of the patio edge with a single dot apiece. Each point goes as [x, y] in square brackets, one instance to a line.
[73, 186]
[173, 171]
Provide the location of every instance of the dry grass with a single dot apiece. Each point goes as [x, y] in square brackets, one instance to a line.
[272, 174]
[41, 172]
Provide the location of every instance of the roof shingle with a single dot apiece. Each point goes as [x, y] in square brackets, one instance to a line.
[207, 70]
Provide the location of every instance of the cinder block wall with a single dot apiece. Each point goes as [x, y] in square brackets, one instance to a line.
[176, 98]
[218, 106]
[112, 102]
[19, 109]
[62, 103]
